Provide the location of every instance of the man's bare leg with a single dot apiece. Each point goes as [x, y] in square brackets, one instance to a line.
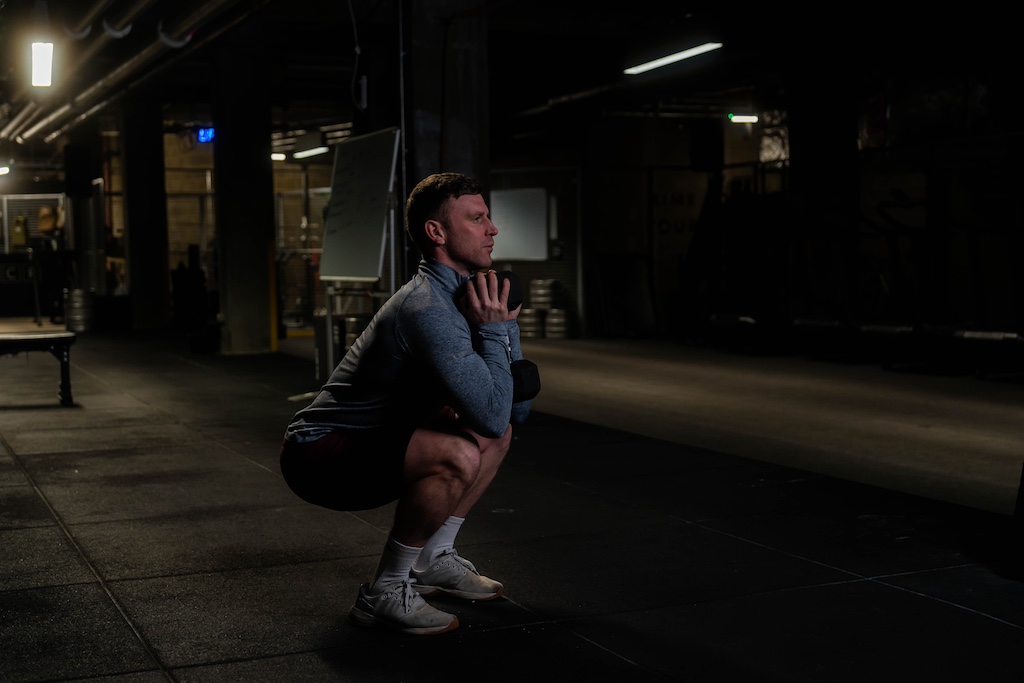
[446, 474]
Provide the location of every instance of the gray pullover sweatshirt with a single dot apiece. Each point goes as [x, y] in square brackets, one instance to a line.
[417, 355]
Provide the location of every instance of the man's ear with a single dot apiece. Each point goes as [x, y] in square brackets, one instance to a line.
[435, 232]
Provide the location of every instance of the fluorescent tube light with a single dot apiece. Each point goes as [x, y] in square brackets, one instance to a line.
[309, 144]
[672, 59]
[309, 152]
[743, 118]
[42, 64]
[277, 156]
[4, 170]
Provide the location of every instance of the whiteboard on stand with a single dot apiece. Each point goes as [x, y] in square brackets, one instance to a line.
[357, 216]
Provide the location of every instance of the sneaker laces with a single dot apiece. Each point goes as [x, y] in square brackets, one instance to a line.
[463, 561]
[405, 593]
[409, 596]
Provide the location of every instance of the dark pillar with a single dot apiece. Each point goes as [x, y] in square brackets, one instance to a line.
[447, 98]
[146, 213]
[244, 203]
[376, 96]
[82, 166]
[824, 180]
[824, 159]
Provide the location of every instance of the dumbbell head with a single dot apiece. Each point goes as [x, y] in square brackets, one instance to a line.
[515, 290]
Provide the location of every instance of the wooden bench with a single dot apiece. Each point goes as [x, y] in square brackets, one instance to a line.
[57, 343]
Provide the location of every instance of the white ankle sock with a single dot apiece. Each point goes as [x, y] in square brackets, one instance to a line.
[394, 566]
[442, 540]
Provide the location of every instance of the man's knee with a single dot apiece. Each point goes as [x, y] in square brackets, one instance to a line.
[458, 456]
[463, 460]
[497, 448]
[478, 453]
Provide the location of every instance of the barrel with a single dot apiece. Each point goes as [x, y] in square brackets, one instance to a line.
[78, 310]
[530, 324]
[541, 293]
[555, 324]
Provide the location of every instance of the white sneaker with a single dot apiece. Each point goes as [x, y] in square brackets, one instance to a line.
[401, 608]
[454, 575]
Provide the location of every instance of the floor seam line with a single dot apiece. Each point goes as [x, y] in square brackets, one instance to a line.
[65, 529]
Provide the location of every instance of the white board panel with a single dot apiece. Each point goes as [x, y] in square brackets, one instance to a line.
[356, 222]
[521, 216]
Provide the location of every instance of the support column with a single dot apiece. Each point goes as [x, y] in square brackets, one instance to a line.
[82, 165]
[146, 213]
[244, 187]
[447, 98]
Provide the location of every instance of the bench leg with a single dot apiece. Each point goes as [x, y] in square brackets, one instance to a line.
[63, 354]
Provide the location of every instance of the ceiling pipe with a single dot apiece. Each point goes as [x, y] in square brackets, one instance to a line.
[117, 24]
[95, 109]
[21, 116]
[152, 72]
[83, 28]
[184, 29]
[113, 28]
[80, 31]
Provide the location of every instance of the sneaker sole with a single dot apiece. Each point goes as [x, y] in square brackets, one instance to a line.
[366, 619]
[427, 591]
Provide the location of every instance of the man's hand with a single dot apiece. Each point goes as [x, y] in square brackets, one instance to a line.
[486, 301]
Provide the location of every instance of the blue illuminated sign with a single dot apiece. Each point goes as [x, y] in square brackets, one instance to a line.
[205, 134]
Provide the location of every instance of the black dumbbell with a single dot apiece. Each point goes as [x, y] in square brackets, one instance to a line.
[515, 290]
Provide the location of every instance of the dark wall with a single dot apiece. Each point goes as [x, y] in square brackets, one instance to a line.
[898, 207]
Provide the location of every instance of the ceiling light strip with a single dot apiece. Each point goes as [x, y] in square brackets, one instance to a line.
[672, 59]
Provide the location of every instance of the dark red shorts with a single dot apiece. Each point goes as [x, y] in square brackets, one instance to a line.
[352, 470]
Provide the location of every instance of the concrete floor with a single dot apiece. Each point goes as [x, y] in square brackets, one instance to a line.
[668, 513]
[952, 437]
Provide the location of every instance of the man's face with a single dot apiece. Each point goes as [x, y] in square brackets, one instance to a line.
[469, 234]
